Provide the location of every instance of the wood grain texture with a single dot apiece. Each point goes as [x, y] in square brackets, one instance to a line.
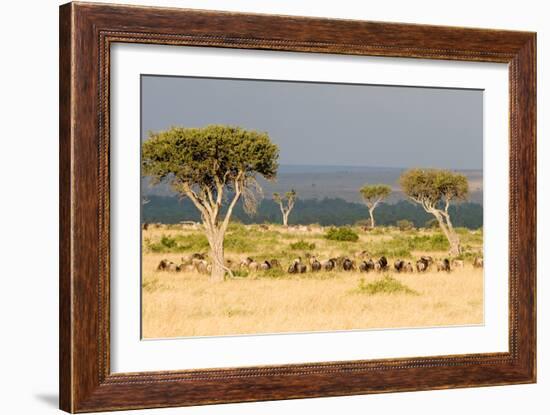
[86, 33]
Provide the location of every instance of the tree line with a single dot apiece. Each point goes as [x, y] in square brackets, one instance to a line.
[325, 212]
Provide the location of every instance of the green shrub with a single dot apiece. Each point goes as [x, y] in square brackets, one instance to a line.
[180, 243]
[386, 285]
[342, 234]
[302, 245]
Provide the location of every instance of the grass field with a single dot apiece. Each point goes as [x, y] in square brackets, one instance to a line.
[189, 304]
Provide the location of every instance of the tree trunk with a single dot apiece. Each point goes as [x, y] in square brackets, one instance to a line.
[454, 240]
[371, 218]
[285, 219]
[215, 240]
[456, 249]
[449, 233]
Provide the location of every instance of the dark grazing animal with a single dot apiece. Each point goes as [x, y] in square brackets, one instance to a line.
[297, 267]
[399, 265]
[423, 263]
[203, 267]
[329, 264]
[348, 265]
[366, 266]
[315, 265]
[444, 265]
[428, 259]
[162, 265]
[264, 266]
[383, 261]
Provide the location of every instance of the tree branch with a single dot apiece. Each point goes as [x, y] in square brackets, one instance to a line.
[238, 192]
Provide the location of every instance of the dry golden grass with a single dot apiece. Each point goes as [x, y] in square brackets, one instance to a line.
[188, 304]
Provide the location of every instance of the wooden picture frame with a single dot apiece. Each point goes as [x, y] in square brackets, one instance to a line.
[86, 33]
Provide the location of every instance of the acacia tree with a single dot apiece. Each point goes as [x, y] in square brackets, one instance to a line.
[214, 167]
[372, 195]
[434, 190]
[290, 198]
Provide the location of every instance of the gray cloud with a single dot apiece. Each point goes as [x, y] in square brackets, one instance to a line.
[330, 124]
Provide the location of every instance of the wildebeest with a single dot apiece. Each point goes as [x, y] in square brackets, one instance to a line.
[382, 264]
[246, 262]
[196, 258]
[423, 263]
[264, 266]
[478, 262]
[347, 264]
[203, 266]
[399, 265]
[297, 267]
[315, 264]
[408, 268]
[366, 266]
[329, 264]
[427, 259]
[162, 265]
[444, 265]
[145, 226]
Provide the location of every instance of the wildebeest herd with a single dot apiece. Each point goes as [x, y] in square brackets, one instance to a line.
[198, 262]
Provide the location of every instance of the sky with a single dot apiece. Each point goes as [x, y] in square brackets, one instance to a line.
[324, 124]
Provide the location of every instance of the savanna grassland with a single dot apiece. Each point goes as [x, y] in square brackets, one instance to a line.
[188, 303]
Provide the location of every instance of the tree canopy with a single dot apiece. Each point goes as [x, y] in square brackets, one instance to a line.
[210, 155]
[372, 192]
[429, 187]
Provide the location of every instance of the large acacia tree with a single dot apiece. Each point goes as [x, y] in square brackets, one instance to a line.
[214, 167]
[372, 195]
[434, 190]
[290, 198]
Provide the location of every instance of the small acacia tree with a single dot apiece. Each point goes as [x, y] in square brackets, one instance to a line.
[434, 190]
[210, 166]
[290, 198]
[372, 195]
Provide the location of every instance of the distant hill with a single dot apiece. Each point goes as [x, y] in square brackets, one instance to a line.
[335, 182]
[335, 211]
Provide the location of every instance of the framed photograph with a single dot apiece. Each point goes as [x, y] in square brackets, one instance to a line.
[259, 207]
